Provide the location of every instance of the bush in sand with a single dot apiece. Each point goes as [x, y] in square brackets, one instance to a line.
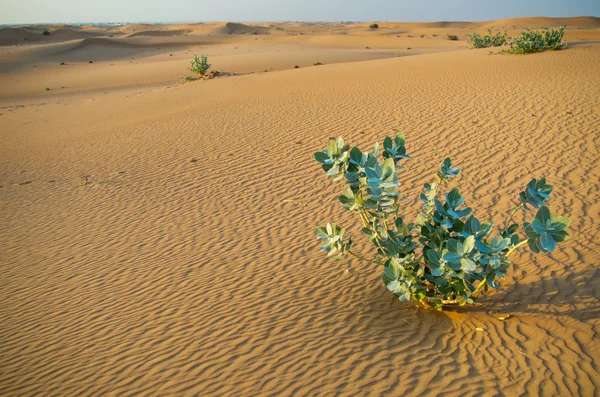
[447, 256]
[199, 65]
[530, 41]
[374, 26]
[489, 40]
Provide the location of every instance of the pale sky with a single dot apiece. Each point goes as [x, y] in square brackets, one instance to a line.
[71, 11]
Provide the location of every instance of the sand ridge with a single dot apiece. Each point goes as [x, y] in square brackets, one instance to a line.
[189, 265]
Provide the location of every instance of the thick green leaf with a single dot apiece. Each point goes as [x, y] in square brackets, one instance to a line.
[356, 155]
[467, 265]
[321, 157]
[547, 242]
[452, 257]
[543, 215]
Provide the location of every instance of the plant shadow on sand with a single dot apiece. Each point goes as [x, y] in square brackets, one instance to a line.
[574, 294]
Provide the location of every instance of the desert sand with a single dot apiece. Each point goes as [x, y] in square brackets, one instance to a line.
[188, 265]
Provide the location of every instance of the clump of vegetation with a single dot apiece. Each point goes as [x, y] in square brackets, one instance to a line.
[62, 64]
[489, 40]
[46, 33]
[374, 26]
[452, 37]
[47, 89]
[447, 255]
[296, 67]
[317, 63]
[422, 35]
[200, 65]
[91, 61]
[189, 78]
[111, 35]
[535, 41]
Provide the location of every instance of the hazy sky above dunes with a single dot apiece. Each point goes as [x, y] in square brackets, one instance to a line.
[56, 11]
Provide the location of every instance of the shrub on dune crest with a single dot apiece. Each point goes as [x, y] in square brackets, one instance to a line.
[374, 26]
[446, 256]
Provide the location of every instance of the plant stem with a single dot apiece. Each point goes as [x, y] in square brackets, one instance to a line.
[514, 211]
[362, 258]
[482, 283]
[510, 251]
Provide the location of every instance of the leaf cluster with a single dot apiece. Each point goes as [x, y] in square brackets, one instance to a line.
[199, 65]
[489, 40]
[447, 255]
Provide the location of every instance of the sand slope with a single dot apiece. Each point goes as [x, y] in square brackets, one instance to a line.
[189, 265]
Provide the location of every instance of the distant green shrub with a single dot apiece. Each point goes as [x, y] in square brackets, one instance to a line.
[296, 67]
[46, 33]
[535, 41]
[446, 256]
[199, 65]
[489, 40]
[317, 63]
[374, 26]
[452, 37]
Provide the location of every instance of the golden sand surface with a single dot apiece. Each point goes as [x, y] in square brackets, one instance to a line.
[188, 264]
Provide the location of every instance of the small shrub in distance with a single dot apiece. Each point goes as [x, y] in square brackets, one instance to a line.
[199, 65]
[374, 26]
[489, 40]
[296, 67]
[46, 33]
[317, 63]
[452, 37]
[446, 255]
[535, 41]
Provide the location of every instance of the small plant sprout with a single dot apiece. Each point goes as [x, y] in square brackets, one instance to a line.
[199, 65]
[446, 256]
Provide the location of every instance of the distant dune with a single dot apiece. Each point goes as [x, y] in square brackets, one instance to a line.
[239, 28]
[179, 32]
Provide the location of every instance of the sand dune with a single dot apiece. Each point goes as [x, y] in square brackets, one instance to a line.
[189, 265]
[239, 28]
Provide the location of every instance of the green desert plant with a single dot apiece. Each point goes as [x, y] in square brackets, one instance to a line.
[374, 26]
[446, 256]
[199, 65]
[452, 37]
[536, 41]
[317, 63]
[489, 40]
[46, 33]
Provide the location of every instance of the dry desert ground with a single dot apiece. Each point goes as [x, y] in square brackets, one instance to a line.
[185, 262]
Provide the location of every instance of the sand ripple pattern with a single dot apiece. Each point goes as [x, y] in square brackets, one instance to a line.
[167, 276]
